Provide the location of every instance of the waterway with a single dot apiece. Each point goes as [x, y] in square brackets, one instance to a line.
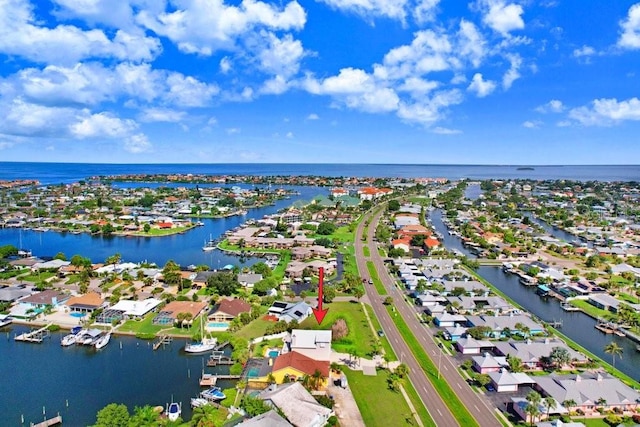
[575, 325]
[184, 249]
[78, 381]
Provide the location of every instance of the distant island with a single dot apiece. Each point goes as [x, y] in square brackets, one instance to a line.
[525, 168]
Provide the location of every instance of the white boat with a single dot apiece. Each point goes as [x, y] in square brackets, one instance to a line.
[207, 344]
[68, 340]
[213, 394]
[197, 402]
[209, 245]
[103, 341]
[5, 320]
[174, 411]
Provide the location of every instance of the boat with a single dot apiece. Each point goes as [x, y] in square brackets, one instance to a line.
[103, 340]
[205, 344]
[197, 402]
[209, 245]
[174, 411]
[5, 320]
[69, 339]
[214, 393]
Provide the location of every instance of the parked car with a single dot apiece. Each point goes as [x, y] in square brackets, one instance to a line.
[380, 333]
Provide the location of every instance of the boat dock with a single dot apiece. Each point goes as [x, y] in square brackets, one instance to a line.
[609, 328]
[208, 380]
[50, 422]
[162, 341]
[36, 336]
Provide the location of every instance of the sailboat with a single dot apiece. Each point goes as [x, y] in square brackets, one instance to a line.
[209, 245]
[205, 344]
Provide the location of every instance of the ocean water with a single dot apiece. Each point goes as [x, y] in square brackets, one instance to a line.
[56, 173]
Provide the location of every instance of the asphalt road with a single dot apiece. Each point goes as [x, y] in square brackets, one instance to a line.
[476, 405]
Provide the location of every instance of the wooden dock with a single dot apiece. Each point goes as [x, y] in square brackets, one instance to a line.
[162, 341]
[208, 380]
[219, 361]
[36, 336]
[50, 422]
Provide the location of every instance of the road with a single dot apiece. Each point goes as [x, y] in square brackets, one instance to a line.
[475, 404]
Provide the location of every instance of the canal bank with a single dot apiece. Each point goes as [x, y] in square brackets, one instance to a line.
[576, 325]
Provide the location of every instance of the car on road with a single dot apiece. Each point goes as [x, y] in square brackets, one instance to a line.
[380, 333]
[490, 387]
[371, 281]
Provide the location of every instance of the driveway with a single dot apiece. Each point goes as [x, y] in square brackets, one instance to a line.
[345, 406]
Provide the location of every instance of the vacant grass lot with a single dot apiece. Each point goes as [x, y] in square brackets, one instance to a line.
[379, 405]
[360, 336]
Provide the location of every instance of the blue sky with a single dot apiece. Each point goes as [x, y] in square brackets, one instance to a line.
[347, 81]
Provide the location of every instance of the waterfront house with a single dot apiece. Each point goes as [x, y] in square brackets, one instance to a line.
[168, 315]
[498, 324]
[533, 353]
[489, 363]
[128, 309]
[478, 304]
[587, 389]
[470, 345]
[469, 286]
[228, 309]
[14, 293]
[604, 302]
[310, 342]
[294, 366]
[47, 297]
[86, 303]
[297, 404]
[505, 381]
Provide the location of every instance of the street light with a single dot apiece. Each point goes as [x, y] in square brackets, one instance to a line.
[439, 358]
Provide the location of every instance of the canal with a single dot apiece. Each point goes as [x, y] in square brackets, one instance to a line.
[575, 325]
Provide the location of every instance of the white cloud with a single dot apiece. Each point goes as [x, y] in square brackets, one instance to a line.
[232, 131]
[503, 17]
[472, 44]
[138, 143]
[189, 92]
[225, 65]
[532, 124]
[102, 125]
[553, 106]
[425, 11]
[313, 116]
[630, 37]
[513, 73]
[446, 131]
[281, 56]
[21, 34]
[290, 135]
[584, 51]
[204, 27]
[606, 112]
[373, 8]
[429, 110]
[480, 86]
[161, 115]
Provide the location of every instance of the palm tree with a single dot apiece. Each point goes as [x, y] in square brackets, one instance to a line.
[402, 370]
[549, 404]
[145, 416]
[317, 379]
[532, 411]
[204, 416]
[569, 403]
[601, 402]
[614, 350]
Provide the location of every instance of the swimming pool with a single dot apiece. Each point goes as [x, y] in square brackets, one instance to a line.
[77, 314]
[274, 353]
[218, 325]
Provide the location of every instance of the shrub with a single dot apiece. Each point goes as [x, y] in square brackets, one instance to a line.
[613, 420]
[339, 330]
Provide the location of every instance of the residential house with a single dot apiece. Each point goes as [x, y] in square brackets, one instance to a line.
[42, 299]
[454, 333]
[532, 353]
[505, 381]
[289, 311]
[268, 419]
[446, 320]
[519, 405]
[86, 303]
[489, 363]
[498, 324]
[228, 309]
[14, 293]
[294, 366]
[297, 404]
[604, 302]
[469, 286]
[587, 388]
[128, 309]
[169, 313]
[470, 345]
[249, 279]
[310, 342]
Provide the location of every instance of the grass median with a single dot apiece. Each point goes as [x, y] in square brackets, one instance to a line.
[376, 280]
[447, 394]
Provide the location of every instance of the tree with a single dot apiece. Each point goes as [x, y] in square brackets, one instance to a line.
[223, 283]
[326, 228]
[329, 294]
[515, 364]
[560, 357]
[549, 403]
[113, 415]
[204, 416]
[262, 268]
[402, 370]
[254, 406]
[479, 332]
[388, 301]
[483, 379]
[358, 292]
[145, 416]
[614, 350]
[393, 205]
[533, 406]
[569, 403]
[113, 259]
[61, 256]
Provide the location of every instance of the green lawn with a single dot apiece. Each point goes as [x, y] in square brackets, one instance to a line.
[631, 299]
[376, 280]
[360, 337]
[380, 406]
[342, 234]
[155, 232]
[37, 277]
[256, 328]
[383, 340]
[366, 251]
[445, 391]
[589, 309]
[146, 327]
[349, 261]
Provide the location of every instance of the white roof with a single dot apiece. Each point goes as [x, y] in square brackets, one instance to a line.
[308, 338]
[136, 308]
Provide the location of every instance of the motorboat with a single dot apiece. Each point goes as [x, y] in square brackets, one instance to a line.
[5, 320]
[174, 411]
[103, 340]
[213, 393]
[69, 339]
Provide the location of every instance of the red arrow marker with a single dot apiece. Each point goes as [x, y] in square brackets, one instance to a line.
[319, 313]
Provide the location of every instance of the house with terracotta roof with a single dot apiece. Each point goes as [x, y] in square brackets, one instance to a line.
[228, 309]
[295, 366]
[86, 303]
[169, 314]
[404, 244]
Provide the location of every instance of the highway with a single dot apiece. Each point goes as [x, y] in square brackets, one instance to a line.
[475, 404]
